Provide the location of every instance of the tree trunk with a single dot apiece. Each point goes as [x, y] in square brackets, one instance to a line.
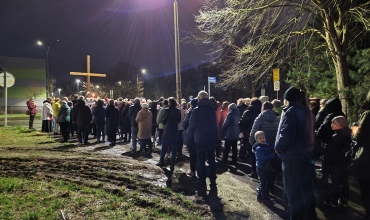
[342, 73]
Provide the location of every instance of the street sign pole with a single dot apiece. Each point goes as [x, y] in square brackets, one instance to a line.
[5, 100]
[276, 79]
[209, 88]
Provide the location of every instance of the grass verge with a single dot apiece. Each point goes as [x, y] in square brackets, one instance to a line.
[18, 116]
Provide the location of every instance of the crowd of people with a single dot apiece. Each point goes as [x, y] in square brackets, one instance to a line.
[279, 141]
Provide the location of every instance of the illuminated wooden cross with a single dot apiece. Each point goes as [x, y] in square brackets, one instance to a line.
[88, 74]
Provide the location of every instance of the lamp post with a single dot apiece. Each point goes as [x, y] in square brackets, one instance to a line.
[78, 85]
[177, 51]
[59, 91]
[47, 67]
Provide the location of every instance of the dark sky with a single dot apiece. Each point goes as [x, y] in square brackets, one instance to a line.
[140, 32]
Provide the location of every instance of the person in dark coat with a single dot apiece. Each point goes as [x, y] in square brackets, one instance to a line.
[170, 119]
[132, 113]
[99, 119]
[126, 123]
[112, 116]
[82, 117]
[231, 130]
[242, 106]
[153, 109]
[246, 123]
[191, 144]
[294, 145]
[64, 120]
[121, 107]
[204, 128]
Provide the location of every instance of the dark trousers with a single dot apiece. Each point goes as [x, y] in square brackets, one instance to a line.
[231, 144]
[173, 146]
[64, 130]
[154, 129]
[365, 195]
[83, 133]
[245, 147]
[160, 134]
[30, 123]
[127, 133]
[218, 148]
[263, 193]
[100, 132]
[113, 136]
[339, 178]
[193, 157]
[144, 143]
[93, 128]
[180, 142]
[298, 188]
[253, 163]
[204, 153]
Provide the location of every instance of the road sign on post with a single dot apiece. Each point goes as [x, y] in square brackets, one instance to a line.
[210, 80]
[277, 86]
[6, 80]
[10, 80]
[276, 74]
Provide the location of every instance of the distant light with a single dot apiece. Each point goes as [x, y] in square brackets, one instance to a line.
[77, 80]
[59, 90]
[143, 71]
[97, 86]
[39, 43]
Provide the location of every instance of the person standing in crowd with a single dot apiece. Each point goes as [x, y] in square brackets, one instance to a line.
[191, 144]
[64, 120]
[339, 144]
[294, 145]
[361, 164]
[159, 116]
[144, 121]
[112, 116]
[82, 117]
[267, 121]
[121, 107]
[246, 123]
[321, 114]
[99, 120]
[222, 117]
[231, 130]
[132, 113]
[126, 123]
[203, 125]
[47, 116]
[263, 156]
[180, 142]
[277, 106]
[170, 119]
[153, 109]
[31, 105]
[56, 107]
[314, 107]
[242, 106]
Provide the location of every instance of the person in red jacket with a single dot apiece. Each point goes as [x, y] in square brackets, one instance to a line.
[31, 105]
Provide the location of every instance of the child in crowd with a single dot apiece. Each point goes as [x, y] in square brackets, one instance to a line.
[337, 147]
[263, 155]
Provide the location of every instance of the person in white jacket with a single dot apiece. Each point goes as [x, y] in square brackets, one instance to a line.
[47, 116]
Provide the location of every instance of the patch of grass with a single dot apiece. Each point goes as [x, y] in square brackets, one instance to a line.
[17, 116]
[19, 136]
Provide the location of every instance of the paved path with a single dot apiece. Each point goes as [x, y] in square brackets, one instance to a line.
[236, 197]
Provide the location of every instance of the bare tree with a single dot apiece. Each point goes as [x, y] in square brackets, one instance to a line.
[251, 37]
[34, 89]
[51, 82]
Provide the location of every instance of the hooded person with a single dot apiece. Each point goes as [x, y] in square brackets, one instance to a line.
[231, 130]
[64, 117]
[294, 145]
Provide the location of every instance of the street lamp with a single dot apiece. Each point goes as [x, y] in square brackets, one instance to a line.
[97, 86]
[47, 67]
[59, 91]
[78, 84]
[177, 50]
[143, 71]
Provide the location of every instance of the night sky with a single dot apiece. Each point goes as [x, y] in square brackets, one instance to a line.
[140, 32]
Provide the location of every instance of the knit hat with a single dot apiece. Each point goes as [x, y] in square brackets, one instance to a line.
[144, 105]
[232, 106]
[292, 94]
[258, 133]
[264, 99]
[341, 121]
[194, 102]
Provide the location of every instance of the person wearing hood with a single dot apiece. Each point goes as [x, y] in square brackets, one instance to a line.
[294, 145]
[82, 117]
[231, 130]
[64, 120]
[31, 105]
[246, 123]
[112, 117]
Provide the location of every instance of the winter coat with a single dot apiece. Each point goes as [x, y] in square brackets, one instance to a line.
[203, 125]
[132, 113]
[185, 122]
[242, 108]
[154, 112]
[112, 116]
[144, 121]
[218, 117]
[334, 109]
[98, 114]
[160, 115]
[263, 155]
[64, 114]
[247, 119]
[337, 147]
[47, 111]
[223, 114]
[180, 127]
[56, 107]
[231, 125]
[170, 118]
[266, 121]
[295, 137]
[31, 107]
[319, 119]
[126, 121]
[82, 113]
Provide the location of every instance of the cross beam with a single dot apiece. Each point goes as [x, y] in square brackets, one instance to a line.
[88, 74]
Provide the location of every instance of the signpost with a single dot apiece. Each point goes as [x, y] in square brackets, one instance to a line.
[6, 80]
[276, 79]
[210, 80]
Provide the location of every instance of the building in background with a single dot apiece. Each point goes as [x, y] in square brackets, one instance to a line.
[30, 81]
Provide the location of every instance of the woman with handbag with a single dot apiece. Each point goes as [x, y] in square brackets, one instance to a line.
[31, 105]
[362, 158]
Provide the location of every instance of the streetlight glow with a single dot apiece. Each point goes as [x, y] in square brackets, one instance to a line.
[143, 71]
[39, 43]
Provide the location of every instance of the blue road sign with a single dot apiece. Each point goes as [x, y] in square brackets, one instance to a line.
[212, 79]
